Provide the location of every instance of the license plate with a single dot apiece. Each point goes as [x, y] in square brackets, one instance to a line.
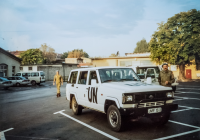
[154, 110]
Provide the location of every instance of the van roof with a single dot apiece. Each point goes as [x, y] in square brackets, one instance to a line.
[29, 71]
[95, 68]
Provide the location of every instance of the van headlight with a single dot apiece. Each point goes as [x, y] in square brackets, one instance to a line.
[127, 98]
[170, 94]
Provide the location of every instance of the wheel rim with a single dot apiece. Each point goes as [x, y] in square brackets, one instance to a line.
[74, 105]
[113, 118]
[17, 84]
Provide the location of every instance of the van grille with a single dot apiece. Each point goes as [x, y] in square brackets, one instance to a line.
[151, 104]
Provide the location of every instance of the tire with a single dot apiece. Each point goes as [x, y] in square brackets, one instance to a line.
[38, 84]
[163, 119]
[6, 87]
[77, 109]
[115, 119]
[33, 83]
[17, 84]
[174, 88]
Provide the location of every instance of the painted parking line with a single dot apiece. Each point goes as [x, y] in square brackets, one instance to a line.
[184, 124]
[187, 98]
[189, 107]
[95, 129]
[187, 93]
[189, 88]
[2, 136]
[180, 134]
[181, 110]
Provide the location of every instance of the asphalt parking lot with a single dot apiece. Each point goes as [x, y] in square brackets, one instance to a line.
[28, 113]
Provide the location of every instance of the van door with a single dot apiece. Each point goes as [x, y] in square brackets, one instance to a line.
[82, 86]
[93, 97]
[71, 85]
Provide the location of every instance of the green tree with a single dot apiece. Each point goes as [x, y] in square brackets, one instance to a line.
[76, 53]
[48, 53]
[177, 41]
[32, 56]
[65, 55]
[142, 46]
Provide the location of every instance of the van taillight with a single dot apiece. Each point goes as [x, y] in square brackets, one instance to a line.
[40, 79]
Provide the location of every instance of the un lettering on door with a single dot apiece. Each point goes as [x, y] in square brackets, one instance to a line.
[188, 74]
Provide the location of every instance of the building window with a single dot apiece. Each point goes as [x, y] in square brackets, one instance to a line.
[13, 70]
[30, 68]
[69, 65]
[21, 68]
[4, 70]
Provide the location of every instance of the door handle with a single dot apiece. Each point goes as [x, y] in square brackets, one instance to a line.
[72, 85]
[76, 87]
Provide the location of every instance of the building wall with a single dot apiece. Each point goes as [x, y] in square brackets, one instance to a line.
[10, 62]
[70, 60]
[26, 68]
[50, 71]
[104, 62]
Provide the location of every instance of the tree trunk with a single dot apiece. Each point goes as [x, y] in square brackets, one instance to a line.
[181, 72]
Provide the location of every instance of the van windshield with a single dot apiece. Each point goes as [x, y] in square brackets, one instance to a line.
[117, 74]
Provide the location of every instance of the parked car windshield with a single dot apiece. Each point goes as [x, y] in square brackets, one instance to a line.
[4, 79]
[117, 74]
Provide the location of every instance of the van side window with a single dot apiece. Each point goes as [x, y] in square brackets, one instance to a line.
[93, 75]
[25, 74]
[34, 74]
[83, 77]
[73, 77]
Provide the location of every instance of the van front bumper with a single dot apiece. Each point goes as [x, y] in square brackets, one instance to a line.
[136, 112]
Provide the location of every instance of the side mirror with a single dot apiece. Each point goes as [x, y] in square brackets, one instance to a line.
[93, 82]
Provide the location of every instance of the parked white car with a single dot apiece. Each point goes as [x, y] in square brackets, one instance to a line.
[5, 83]
[118, 92]
[34, 77]
[19, 80]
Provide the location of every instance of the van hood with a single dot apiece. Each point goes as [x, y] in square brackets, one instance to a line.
[135, 86]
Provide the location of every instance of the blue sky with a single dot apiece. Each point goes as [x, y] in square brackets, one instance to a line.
[99, 27]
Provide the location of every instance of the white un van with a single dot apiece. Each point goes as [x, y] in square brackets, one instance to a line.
[118, 92]
[34, 77]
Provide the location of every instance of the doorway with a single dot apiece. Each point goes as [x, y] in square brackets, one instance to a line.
[188, 74]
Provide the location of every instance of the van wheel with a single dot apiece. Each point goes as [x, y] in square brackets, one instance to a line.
[115, 119]
[33, 83]
[18, 84]
[77, 109]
